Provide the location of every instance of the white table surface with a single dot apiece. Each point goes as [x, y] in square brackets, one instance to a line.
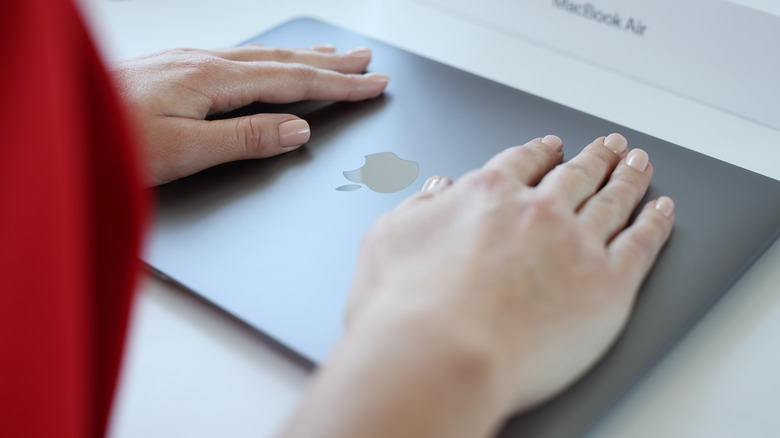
[191, 371]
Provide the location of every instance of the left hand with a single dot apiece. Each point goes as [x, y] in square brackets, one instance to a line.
[170, 94]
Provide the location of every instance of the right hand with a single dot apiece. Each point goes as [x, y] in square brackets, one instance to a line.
[479, 298]
[539, 279]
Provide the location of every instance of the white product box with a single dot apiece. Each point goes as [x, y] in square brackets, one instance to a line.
[723, 53]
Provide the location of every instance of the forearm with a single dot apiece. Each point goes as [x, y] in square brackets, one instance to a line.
[415, 382]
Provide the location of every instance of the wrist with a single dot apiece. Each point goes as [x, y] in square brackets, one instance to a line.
[406, 376]
[461, 369]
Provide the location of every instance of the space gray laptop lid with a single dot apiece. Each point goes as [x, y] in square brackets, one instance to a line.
[273, 242]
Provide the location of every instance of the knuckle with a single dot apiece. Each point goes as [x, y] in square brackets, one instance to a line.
[609, 202]
[197, 66]
[354, 82]
[182, 52]
[632, 185]
[602, 153]
[486, 178]
[281, 54]
[541, 209]
[631, 182]
[305, 73]
[249, 134]
[577, 170]
[607, 209]
[616, 198]
[643, 242]
[303, 76]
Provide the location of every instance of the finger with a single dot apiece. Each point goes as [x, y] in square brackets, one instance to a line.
[328, 48]
[323, 56]
[199, 144]
[607, 211]
[325, 48]
[531, 161]
[432, 186]
[635, 249]
[436, 183]
[579, 178]
[240, 84]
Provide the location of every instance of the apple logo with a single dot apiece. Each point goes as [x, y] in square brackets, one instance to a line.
[384, 172]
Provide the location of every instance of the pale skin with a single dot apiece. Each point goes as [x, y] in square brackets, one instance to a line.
[171, 93]
[473, 299]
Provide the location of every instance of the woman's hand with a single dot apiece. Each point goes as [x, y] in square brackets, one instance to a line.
[170, 94]
[475, 299]
[542, 276]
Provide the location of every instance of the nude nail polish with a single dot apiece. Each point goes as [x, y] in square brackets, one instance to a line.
[378, 77]
[665, 205]
[616, 143]
[360, 51]
[638, 159]
[431, 183]
[293, 133]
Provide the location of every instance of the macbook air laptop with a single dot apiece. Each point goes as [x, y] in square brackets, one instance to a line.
[273, 242]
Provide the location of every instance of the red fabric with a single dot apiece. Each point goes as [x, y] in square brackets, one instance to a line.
[70, 215]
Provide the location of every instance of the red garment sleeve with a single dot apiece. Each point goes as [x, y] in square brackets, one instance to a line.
[71, 208]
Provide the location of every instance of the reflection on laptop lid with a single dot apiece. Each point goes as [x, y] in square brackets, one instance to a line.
[273, 242]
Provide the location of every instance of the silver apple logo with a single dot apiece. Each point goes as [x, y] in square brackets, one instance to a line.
[384, 172]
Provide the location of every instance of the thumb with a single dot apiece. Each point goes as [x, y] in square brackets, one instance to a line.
[255, 136]
[200, 144]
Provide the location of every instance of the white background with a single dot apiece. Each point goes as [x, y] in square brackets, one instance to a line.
[720, 52]
[190, 371]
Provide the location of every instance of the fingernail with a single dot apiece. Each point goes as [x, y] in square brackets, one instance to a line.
[665, 205]
[378, 77]
[360, 51]
[638, 159]
[616, 142]
[553, 141]
[293, 133]
[430, 183]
